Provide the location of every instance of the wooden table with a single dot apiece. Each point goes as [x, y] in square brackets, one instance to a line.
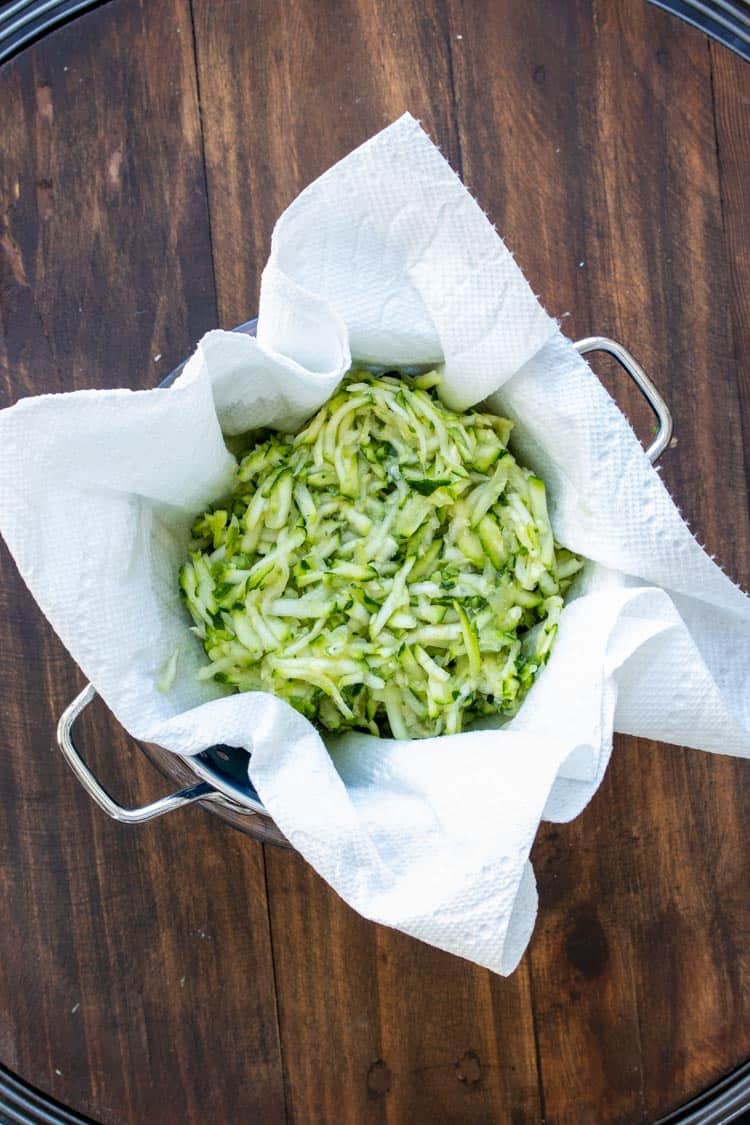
[180, 972]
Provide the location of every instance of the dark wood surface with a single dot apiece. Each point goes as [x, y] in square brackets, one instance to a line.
[180, 972]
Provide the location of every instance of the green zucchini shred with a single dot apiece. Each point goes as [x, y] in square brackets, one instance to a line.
[389, 568]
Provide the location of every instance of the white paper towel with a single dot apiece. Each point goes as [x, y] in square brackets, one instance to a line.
[386, 257]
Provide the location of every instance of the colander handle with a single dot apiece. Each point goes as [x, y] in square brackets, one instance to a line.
[642, 381]
[200, 792]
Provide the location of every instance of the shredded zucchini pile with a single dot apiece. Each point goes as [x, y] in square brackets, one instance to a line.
[390, 568]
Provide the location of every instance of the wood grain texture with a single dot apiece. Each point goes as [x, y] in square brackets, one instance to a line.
[625, 229]
[175, 972]
[732, 119]
[118, 947]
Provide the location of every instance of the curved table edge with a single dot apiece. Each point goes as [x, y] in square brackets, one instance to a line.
[20, 26]
[718, 1105]
[23, 1104]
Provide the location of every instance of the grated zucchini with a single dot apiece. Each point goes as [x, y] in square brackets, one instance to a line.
[390, 568]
